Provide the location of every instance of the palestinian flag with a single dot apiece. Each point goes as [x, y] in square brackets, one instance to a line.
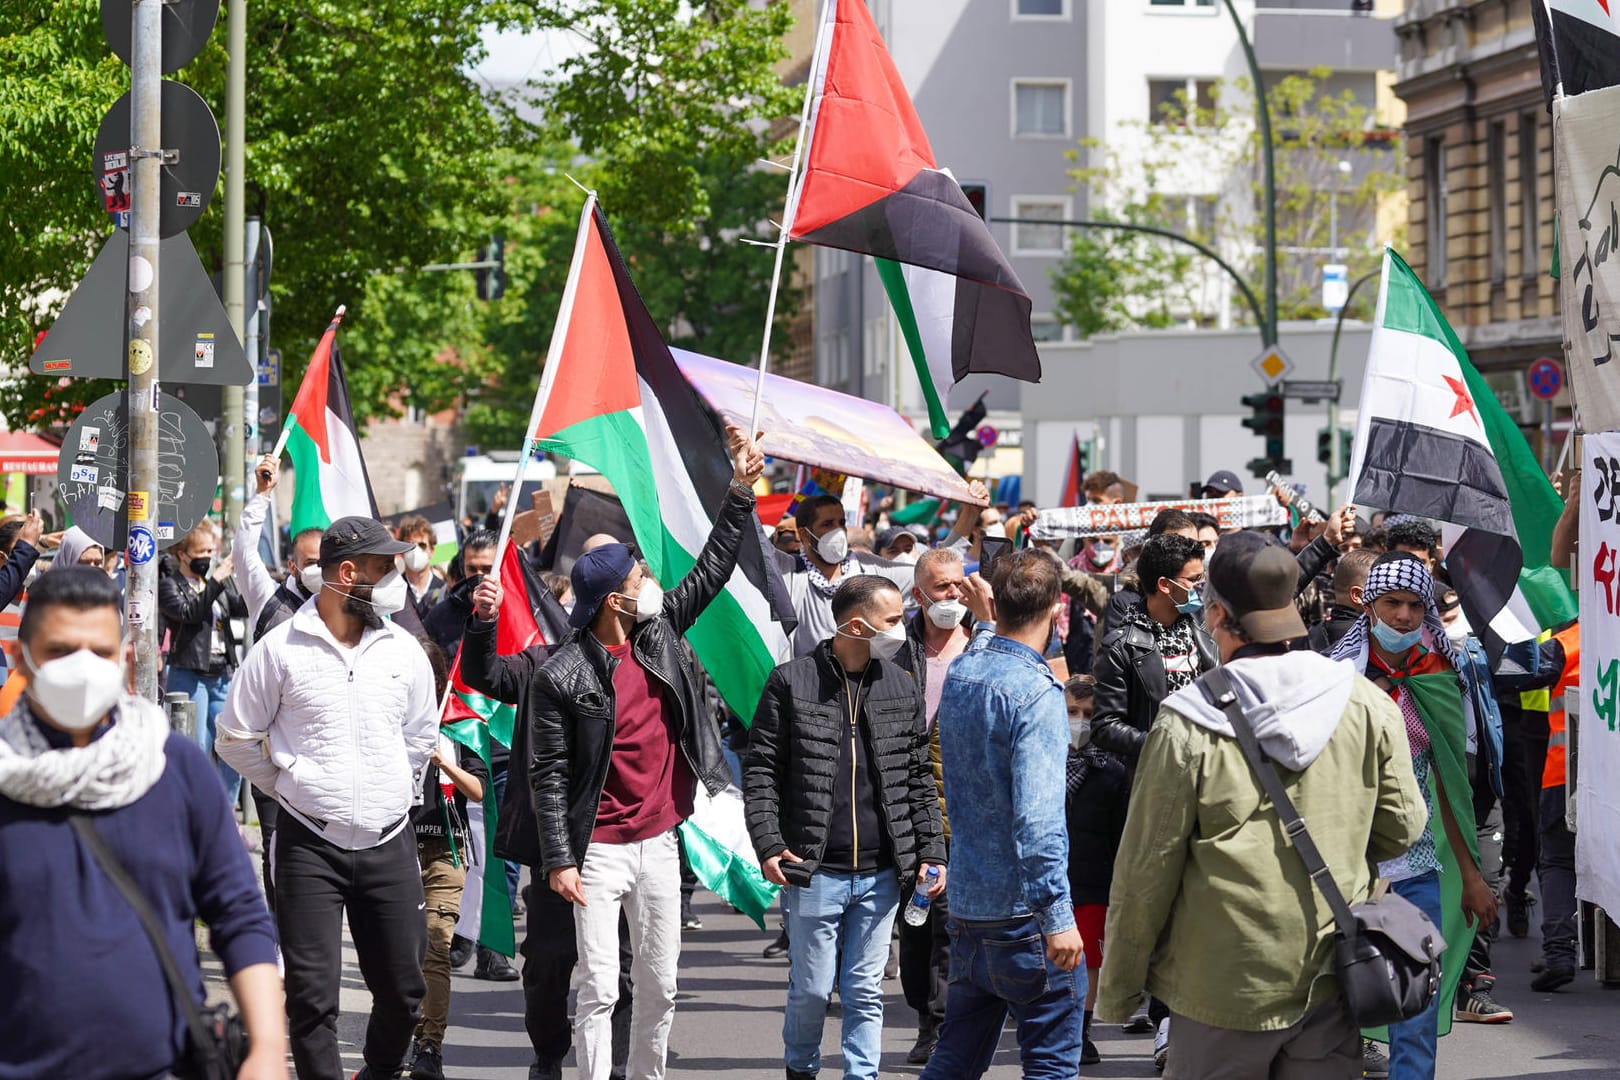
[612, 397]
[330, 480]
[1579, 41]
[1432, 440]
[476, 721]
[1073, 475]
[870, 185]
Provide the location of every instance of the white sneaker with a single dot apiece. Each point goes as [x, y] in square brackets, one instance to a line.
[1161, 1044]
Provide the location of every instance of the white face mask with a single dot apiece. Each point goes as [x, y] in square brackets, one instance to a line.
[75, 691]
[416, 560]
[310, 578]
[947, 614]
[388, 594]
[907, 557]
[649, 599]
[884, 643]
[832, 546]
[999, 529]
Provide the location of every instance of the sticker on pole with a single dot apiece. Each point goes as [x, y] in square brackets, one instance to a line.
[1545, 378]
[141, 545]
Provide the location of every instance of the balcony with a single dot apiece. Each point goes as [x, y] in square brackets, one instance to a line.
[1300, 34]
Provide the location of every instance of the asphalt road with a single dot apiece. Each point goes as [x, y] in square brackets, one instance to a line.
[728, 1021]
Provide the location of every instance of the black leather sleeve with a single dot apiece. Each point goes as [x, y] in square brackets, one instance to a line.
[548, 771]
[765, 768]
[1111, 726]
[684, 603]
[1313, 560]
[181, 605]
[485, 670]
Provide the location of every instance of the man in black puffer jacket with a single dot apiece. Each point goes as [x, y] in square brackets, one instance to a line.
[842, 809]
[619, 732]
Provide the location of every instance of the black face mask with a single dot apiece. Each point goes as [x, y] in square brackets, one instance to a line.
[200, 565]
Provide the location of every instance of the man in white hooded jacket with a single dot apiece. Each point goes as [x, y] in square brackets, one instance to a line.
[334, 712]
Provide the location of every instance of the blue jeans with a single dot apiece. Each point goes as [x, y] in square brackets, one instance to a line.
[852, 914]
[1412, 1043]
[208, 692]
[999, 968]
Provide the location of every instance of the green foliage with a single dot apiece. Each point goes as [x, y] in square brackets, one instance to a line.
[1108, 282]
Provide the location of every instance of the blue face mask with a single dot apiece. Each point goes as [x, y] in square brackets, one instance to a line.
[1393, 640]
[1193, 604]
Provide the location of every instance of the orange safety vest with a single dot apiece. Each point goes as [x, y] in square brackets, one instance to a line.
[1555, 771]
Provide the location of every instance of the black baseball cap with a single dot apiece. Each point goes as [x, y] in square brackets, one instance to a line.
[1256, 579]
[350, 537]
[597, 574]
[1223, 482]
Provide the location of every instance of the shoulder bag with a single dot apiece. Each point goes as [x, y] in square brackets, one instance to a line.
[217, 1043]
[1386, 950]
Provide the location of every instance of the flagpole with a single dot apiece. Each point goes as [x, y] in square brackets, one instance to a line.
[548, 375]
[286, 429]
[790, 209]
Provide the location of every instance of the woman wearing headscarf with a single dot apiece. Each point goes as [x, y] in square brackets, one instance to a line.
[78, 548]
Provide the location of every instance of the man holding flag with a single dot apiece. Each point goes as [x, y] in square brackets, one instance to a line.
[622, 735]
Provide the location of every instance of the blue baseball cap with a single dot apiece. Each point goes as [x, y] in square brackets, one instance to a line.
[597, 574]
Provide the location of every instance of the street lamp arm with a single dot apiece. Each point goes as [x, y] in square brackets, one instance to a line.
[1338, 323]
[1263, 114]
[1203, 249]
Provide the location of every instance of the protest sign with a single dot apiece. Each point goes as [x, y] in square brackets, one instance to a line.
[1597, 743]
[1103, 519]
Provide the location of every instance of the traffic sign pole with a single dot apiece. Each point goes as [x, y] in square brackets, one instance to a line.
[146, 159]
[232, 434]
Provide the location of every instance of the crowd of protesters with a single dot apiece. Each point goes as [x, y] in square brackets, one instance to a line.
[1026, 759]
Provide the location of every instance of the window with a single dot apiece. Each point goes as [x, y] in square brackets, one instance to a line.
[835, 357]
[1039, 239]
[1203, 216]
[1041, 109]
[1040, 9]
[1170, 100]
[1434, 201]
[1045, 328]
[834, 261]
[1529, 203]
[1496, 194]
[875, 348]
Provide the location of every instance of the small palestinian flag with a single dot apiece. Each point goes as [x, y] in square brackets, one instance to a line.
[1432, 440]
[1579, 42]
[871, 185]
[330, 473]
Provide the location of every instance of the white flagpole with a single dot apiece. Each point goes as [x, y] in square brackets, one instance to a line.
[559, 339]
[791, 209]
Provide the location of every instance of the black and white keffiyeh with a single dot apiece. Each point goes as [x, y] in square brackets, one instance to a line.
[1405, 575]
[818, 580]
[108, 773]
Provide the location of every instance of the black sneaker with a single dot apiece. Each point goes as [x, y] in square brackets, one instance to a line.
[1556, 977]
[1138, 1024]
[461, 951]
[1088, 1053]
[923, 1049]
[1374, 1065]
[1476, 1005]
[779, 947]
[1518, 913]
[427, 1064]
[494, 967]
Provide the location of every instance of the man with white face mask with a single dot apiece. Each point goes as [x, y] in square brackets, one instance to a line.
[842, 810]
[620, 733]
[334, 711]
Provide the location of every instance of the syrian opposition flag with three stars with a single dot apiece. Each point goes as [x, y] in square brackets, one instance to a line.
[1432, 440]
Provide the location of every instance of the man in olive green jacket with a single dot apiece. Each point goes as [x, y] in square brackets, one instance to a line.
[1210, 909]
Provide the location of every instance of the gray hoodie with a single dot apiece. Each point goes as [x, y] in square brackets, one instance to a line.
[1293, 702]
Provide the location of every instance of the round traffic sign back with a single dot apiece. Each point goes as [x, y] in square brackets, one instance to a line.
[1545, 378]
[189, 129]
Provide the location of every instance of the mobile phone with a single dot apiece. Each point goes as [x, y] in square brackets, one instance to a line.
[992, 548]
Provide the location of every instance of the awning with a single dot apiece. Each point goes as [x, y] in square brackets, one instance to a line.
[811, 425]
[21, 452]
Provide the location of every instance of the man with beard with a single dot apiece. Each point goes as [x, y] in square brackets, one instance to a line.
[334, 713]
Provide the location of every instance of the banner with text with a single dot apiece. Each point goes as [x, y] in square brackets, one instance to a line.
[1597, 746]
[1100, 519]
[1587, 133]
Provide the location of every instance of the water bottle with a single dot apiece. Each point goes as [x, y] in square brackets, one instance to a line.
[917, 910]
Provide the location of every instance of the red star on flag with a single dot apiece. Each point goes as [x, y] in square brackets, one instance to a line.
[1464, 403]
[1604, 4]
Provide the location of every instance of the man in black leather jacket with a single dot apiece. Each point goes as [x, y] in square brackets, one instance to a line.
[1159, 646]
[619, 734]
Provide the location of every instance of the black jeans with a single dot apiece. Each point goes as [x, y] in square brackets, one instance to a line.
[269, 810]
[1557, 873]
[381, 888]
[925, 962]
[1521, 792]
[549, 954]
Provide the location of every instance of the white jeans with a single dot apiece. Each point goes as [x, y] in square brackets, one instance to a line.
[645, 878]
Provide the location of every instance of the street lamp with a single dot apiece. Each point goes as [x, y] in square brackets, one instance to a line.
[1333, 210]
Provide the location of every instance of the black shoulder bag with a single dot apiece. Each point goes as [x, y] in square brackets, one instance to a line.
[1386, 950]
[218, 1043]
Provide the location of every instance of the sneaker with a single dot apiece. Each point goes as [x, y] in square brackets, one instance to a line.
[1138, 1024]
[1475, 1003]
[1088, 1053]
[545, 1070]
[923, 1049]
[1518, 913]
[1374, 1065]
[1556, 977]
[461, 951]
[779, 947]
[494, 967]
[1161, 1044]
[689, 918]
[427, 1063]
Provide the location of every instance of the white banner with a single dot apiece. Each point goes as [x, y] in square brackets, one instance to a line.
[1597, 746]
[1100, 519]
[1586, 137]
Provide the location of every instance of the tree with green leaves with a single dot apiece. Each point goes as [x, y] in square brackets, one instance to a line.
[1110, 281]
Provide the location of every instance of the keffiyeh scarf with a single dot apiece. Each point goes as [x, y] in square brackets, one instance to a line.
[108, 773]
[818, 580]
[1406, 575]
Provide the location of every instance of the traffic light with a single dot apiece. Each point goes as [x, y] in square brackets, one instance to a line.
[492, 279]
[978, 196]
[1324, 446]
[1266, 420]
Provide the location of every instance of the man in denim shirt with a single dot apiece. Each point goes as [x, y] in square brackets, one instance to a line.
[1004, 735]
